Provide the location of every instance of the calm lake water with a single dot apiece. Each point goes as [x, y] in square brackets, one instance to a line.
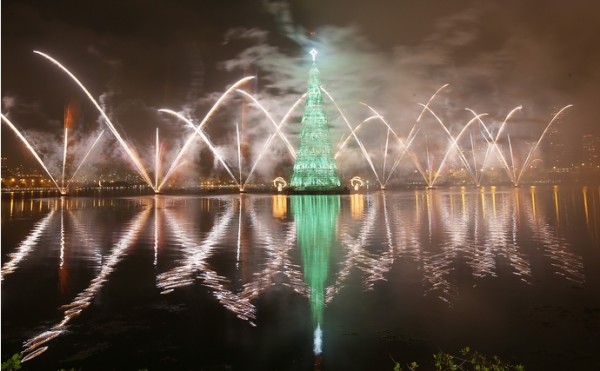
[265, 282]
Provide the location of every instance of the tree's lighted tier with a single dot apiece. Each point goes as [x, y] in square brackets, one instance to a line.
[315, 167]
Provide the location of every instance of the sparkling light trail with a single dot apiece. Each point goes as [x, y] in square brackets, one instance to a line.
[64, 188]
[402, 143]
[453, 144]
[277, 127]
[429, 101]
[199, 132]
[430, 174]
[528, 159]
[156, 161]
[389, 129]
[84, 158]
[64, 160]
[134, 158]
[493, 145]
[360, 144]
[385, 152]
[37, 157]
[472, 172]
[343, 143]
[412, 135]
[270, 139]
[239, 148]
[199, 128]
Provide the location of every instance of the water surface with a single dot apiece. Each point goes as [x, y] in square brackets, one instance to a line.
[257, 282]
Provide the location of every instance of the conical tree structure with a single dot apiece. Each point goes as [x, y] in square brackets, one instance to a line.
[315, 168]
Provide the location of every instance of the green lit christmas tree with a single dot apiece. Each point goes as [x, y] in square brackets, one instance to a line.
[315, 168]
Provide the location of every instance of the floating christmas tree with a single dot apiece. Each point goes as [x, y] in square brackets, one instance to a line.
[315, 168]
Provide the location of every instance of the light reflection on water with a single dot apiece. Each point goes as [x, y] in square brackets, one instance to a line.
[241, 247]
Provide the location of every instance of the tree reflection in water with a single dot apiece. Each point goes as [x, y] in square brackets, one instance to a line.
[312, 244]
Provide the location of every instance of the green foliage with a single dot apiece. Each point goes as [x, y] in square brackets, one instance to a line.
[467, 360]
[410, 367]
[13, 363]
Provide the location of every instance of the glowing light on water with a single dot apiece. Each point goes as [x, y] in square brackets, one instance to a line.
[41, 350]
[318, 341]
[279, 249]
[62, 234]
[33, 152]
[84, 299]
[279, 206]
[25, 247]
[316, 219]
[239, 235]
[494, 236]
[357, 254]
[134, 158]
[357, 205]
[195, 260]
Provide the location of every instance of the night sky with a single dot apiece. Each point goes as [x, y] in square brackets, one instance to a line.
[138, 56]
